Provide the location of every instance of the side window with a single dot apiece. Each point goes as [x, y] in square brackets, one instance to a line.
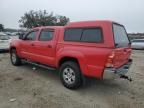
[92, 35]
[46, 35]
[72, 34]
[31, 35]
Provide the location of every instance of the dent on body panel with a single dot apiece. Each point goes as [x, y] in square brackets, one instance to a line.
[96, 59]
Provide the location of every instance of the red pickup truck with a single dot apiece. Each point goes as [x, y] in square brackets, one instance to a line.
[99, 49]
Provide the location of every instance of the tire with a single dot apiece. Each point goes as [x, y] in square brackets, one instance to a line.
[70, 75]
[15, 60]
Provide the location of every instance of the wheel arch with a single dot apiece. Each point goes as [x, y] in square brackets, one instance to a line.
[76, 57]
[67, 58]
[17, 50]
[13, 47]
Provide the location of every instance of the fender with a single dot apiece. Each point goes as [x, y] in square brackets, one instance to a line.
[64, 52]
[16, 44]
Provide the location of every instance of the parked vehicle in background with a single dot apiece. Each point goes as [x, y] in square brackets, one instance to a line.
[137, 44]
[8, 33]
[4, 42]
[99, 49]
[12, 35]
[3, 34]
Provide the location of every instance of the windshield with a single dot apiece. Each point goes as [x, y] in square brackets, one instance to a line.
[120, 36]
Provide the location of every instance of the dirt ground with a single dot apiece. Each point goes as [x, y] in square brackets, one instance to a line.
[23, 87]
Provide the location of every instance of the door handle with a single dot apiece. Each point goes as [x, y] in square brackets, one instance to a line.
[32, 45]
[126, 50]
[49, 46]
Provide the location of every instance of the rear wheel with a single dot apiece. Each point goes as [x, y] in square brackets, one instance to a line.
[70, 75]
[15, 60]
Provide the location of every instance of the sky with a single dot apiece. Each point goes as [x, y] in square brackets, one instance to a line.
[130, 13]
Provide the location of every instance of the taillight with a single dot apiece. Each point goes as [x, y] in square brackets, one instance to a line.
[110, 59]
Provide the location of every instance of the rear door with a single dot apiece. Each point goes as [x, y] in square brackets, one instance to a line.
[122, 45]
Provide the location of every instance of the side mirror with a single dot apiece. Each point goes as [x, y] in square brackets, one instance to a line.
[21, 36]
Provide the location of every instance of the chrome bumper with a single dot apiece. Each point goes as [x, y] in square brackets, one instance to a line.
[111, 73]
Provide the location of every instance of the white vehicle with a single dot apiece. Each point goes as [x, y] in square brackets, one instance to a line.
[137, 44]
[4, 42]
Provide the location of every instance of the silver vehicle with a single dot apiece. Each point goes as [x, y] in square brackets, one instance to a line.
[137, 44]
[4, 42]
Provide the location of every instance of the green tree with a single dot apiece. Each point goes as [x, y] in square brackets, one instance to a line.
[1, 27]
[42, 18]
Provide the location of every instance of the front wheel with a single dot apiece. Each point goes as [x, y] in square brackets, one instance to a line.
[70, 75]
[15, 60]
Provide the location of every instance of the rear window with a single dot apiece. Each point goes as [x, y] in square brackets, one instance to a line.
[91, 35]
[73, 34]
[84, 35]
[120, 36]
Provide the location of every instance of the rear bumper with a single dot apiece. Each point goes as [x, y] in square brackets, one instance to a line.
[111, 73]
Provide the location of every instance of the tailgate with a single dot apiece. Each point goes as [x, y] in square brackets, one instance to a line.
[122, 49]
[122, 56]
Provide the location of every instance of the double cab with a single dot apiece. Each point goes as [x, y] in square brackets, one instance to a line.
[99, 49]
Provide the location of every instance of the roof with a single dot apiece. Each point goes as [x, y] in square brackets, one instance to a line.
[83, 23]
[79, 23]
[50, 27]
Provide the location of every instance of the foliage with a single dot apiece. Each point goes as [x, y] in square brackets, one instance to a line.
[42, 18]
[1, 27]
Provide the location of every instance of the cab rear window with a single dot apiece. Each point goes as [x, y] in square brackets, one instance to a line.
[93, 35]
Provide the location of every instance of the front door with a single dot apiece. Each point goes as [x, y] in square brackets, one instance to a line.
[46, 46]
[27, 45]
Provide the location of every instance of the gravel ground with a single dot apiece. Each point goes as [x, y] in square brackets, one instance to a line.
[23, 87]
